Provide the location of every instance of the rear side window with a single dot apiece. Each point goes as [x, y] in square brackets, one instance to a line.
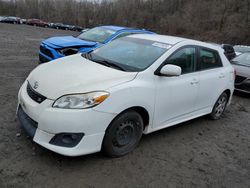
[209, 59]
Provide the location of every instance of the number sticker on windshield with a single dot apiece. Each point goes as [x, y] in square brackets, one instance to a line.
[161, 45]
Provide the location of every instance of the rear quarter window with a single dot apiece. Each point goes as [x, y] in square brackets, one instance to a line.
[209, 59]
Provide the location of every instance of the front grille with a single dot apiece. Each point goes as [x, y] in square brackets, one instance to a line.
[239, 79]
[34, 95]
[46, 51]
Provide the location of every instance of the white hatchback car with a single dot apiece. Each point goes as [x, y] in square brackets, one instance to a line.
[106, 99]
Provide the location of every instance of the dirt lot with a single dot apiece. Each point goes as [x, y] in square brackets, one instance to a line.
[198, 153]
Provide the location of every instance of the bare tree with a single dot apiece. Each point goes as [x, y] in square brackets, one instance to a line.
[222, 21]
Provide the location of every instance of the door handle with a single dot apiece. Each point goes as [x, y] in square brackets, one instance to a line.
[194, 82]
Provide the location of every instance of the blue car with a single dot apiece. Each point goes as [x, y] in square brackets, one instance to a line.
[57, 47]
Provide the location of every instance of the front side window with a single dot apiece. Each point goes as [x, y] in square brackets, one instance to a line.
[130, 54]
[184, 58]
[209, 59]
[98, 34]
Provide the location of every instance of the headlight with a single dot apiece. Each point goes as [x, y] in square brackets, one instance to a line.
[81, 101]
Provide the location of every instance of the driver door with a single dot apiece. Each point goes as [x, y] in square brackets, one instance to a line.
[176, 96]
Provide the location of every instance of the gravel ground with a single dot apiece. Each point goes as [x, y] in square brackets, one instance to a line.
[198, 153]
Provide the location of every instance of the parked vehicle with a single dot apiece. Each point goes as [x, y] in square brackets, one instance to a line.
[229, 51]
[106, 99]
[50, 25]
[23, 21]
[57, 47]
[37, 22]
[60, 26]
[242, 67]
[84, 30]
[76, 28]
[2, 18]
[239, 49]
[11, 19]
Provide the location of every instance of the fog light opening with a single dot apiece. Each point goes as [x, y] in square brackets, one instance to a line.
[66, 139]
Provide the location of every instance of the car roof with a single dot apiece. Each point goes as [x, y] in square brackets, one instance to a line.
[118, 28]
[160, 38]
[172, 40]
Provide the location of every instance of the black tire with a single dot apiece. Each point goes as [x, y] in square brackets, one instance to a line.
[219, 106]
[123, 134]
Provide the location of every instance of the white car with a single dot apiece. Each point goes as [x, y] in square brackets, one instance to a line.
[105, 100]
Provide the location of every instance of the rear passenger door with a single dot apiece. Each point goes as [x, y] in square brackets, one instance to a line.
[212, 78]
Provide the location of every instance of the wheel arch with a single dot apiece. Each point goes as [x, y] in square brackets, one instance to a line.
[140, 110]
[228, 92]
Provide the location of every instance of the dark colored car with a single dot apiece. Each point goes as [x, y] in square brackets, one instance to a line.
[228, 50]
[241, 65]
[37, 22]
[77, 28]
[11, 19]
[60, 26]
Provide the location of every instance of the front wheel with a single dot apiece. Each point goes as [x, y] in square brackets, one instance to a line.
[123, 134]
[219, 107]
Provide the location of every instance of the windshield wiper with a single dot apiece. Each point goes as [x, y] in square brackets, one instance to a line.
[108, 64]
[87, 55]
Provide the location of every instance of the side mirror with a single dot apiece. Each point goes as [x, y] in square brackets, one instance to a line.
[170, 70]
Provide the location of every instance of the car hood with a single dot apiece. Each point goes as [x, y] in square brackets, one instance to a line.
[68, 41]
[75, 74]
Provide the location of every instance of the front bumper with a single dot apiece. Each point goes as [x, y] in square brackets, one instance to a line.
[28, 124]
[52, 121]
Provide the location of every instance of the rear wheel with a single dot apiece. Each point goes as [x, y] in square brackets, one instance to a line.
[219, 107]
[123, 134]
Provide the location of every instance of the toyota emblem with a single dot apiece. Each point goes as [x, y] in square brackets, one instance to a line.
[35, 85]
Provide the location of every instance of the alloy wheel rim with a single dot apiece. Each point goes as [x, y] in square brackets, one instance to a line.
[221, 104]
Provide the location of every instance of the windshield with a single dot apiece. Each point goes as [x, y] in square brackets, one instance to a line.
[129, 54]
[98, 34]
[243, 59]
[242, 49]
